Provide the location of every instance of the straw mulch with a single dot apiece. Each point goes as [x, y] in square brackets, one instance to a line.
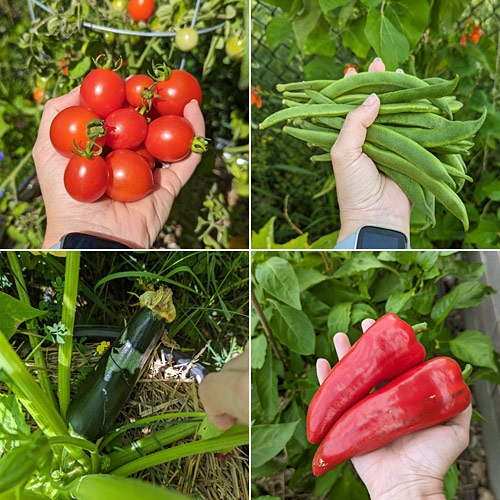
[165, 389]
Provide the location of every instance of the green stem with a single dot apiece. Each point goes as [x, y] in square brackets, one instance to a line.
[420, 327]
[68, 318]
[31, 325]
[236, 436]
[467, 371]
[16, 170]
[80, 443]
[147, 420]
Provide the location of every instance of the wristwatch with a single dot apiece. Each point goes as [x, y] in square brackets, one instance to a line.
[372, 237]
[83, 241]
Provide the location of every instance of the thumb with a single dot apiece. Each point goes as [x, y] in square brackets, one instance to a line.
[347, 148]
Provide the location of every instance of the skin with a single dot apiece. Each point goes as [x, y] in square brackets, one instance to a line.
[135, 224]
[365, 195]
[225, 394]
[412, 466]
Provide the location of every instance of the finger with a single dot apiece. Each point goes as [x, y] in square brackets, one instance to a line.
[350, 72]
[192, 113]
[376, 65]
[322, 369]
[347, 148]
[366, 323]
[462, 420]
[342, 344]
[222, 422]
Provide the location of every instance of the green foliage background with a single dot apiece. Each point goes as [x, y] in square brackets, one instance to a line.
[307, 297]
[317, 39]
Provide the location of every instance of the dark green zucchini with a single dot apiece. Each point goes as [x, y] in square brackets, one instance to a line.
[106, 389]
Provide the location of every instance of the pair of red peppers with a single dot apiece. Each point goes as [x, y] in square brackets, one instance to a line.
[354, 422]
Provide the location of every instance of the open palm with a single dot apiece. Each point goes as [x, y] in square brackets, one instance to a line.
[422, 457]
[136, 224]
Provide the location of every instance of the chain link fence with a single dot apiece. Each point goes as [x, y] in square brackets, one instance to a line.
[271, 148]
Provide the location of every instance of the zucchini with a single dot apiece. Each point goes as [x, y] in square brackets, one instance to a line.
[104, 392]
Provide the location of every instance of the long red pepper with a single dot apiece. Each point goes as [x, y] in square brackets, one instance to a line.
[387, 349]
[426, 395]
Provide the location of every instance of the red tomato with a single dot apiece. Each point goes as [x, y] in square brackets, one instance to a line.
[69, 124]
[169, 138]
[125, 129]
[102, 91]
[134, 87]
[86, 179]
[178, 90]
[141, 10]
[141, 150]
[130, 178]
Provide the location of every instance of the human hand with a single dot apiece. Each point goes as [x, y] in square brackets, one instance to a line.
[136, 224]
[413, 466]
[225, 394]
[365, 195]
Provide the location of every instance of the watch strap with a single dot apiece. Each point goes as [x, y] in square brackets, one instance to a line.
[83, 241]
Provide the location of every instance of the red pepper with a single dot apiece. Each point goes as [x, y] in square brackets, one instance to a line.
[387, 349]
[424, 396]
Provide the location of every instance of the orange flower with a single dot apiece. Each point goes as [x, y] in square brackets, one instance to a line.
[255, 98]
[348, 67]
[463, 40]
[476, 35]
[64, 63]
[38, 94]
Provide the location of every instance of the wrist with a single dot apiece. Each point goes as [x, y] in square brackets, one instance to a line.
[428, 489]
[350, 225]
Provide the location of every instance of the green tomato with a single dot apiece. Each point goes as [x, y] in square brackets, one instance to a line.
[234, 48]
[109, 37]
[119, 5]
[186, 39]
[45, 82]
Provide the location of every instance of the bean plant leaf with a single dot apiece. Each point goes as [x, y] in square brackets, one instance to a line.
[319, 40]
[389, 43]
[293, 328]
[265, 385]
[467, 294]
[475, 348]
[269, 439]
[278, 30]
[451, 10]
[304, 23]
[278, 278]
[321, 68]
[409, 18]
[328, 5]
[355, 39]
[259, 348]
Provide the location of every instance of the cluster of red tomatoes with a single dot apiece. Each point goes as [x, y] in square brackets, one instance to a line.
[120, 129]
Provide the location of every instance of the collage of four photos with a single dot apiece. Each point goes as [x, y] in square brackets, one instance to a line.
[250, 249]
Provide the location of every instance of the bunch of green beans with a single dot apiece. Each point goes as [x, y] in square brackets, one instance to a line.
[414, 140]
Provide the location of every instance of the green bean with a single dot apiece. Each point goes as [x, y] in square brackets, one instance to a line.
[456, 174]
[456, 162]
[295, 95]
[422, 120]
[451, 134]
[312, 84]
[322, 157]
[406, 95]
[455, 106]
[450, 149]
[398, 143]
[368, 89]
[414, 107]
[412, 189]
[314, 137]
[377, 79]
[290, 103]
[349, 98]
[433, 80]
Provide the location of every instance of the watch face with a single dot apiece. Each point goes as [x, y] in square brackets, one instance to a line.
[377, 238]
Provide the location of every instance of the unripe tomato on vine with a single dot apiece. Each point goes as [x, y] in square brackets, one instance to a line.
[186, 39]
[235, 48]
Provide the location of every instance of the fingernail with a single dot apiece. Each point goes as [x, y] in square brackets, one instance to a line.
[377, 59]
[370, 100]
[193, 100]
[399, 70]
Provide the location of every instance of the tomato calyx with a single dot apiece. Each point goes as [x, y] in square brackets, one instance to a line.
[110, 63]
[199, 144]
[92, 148]
[95, 129]
[160, 72]
[148, 95]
